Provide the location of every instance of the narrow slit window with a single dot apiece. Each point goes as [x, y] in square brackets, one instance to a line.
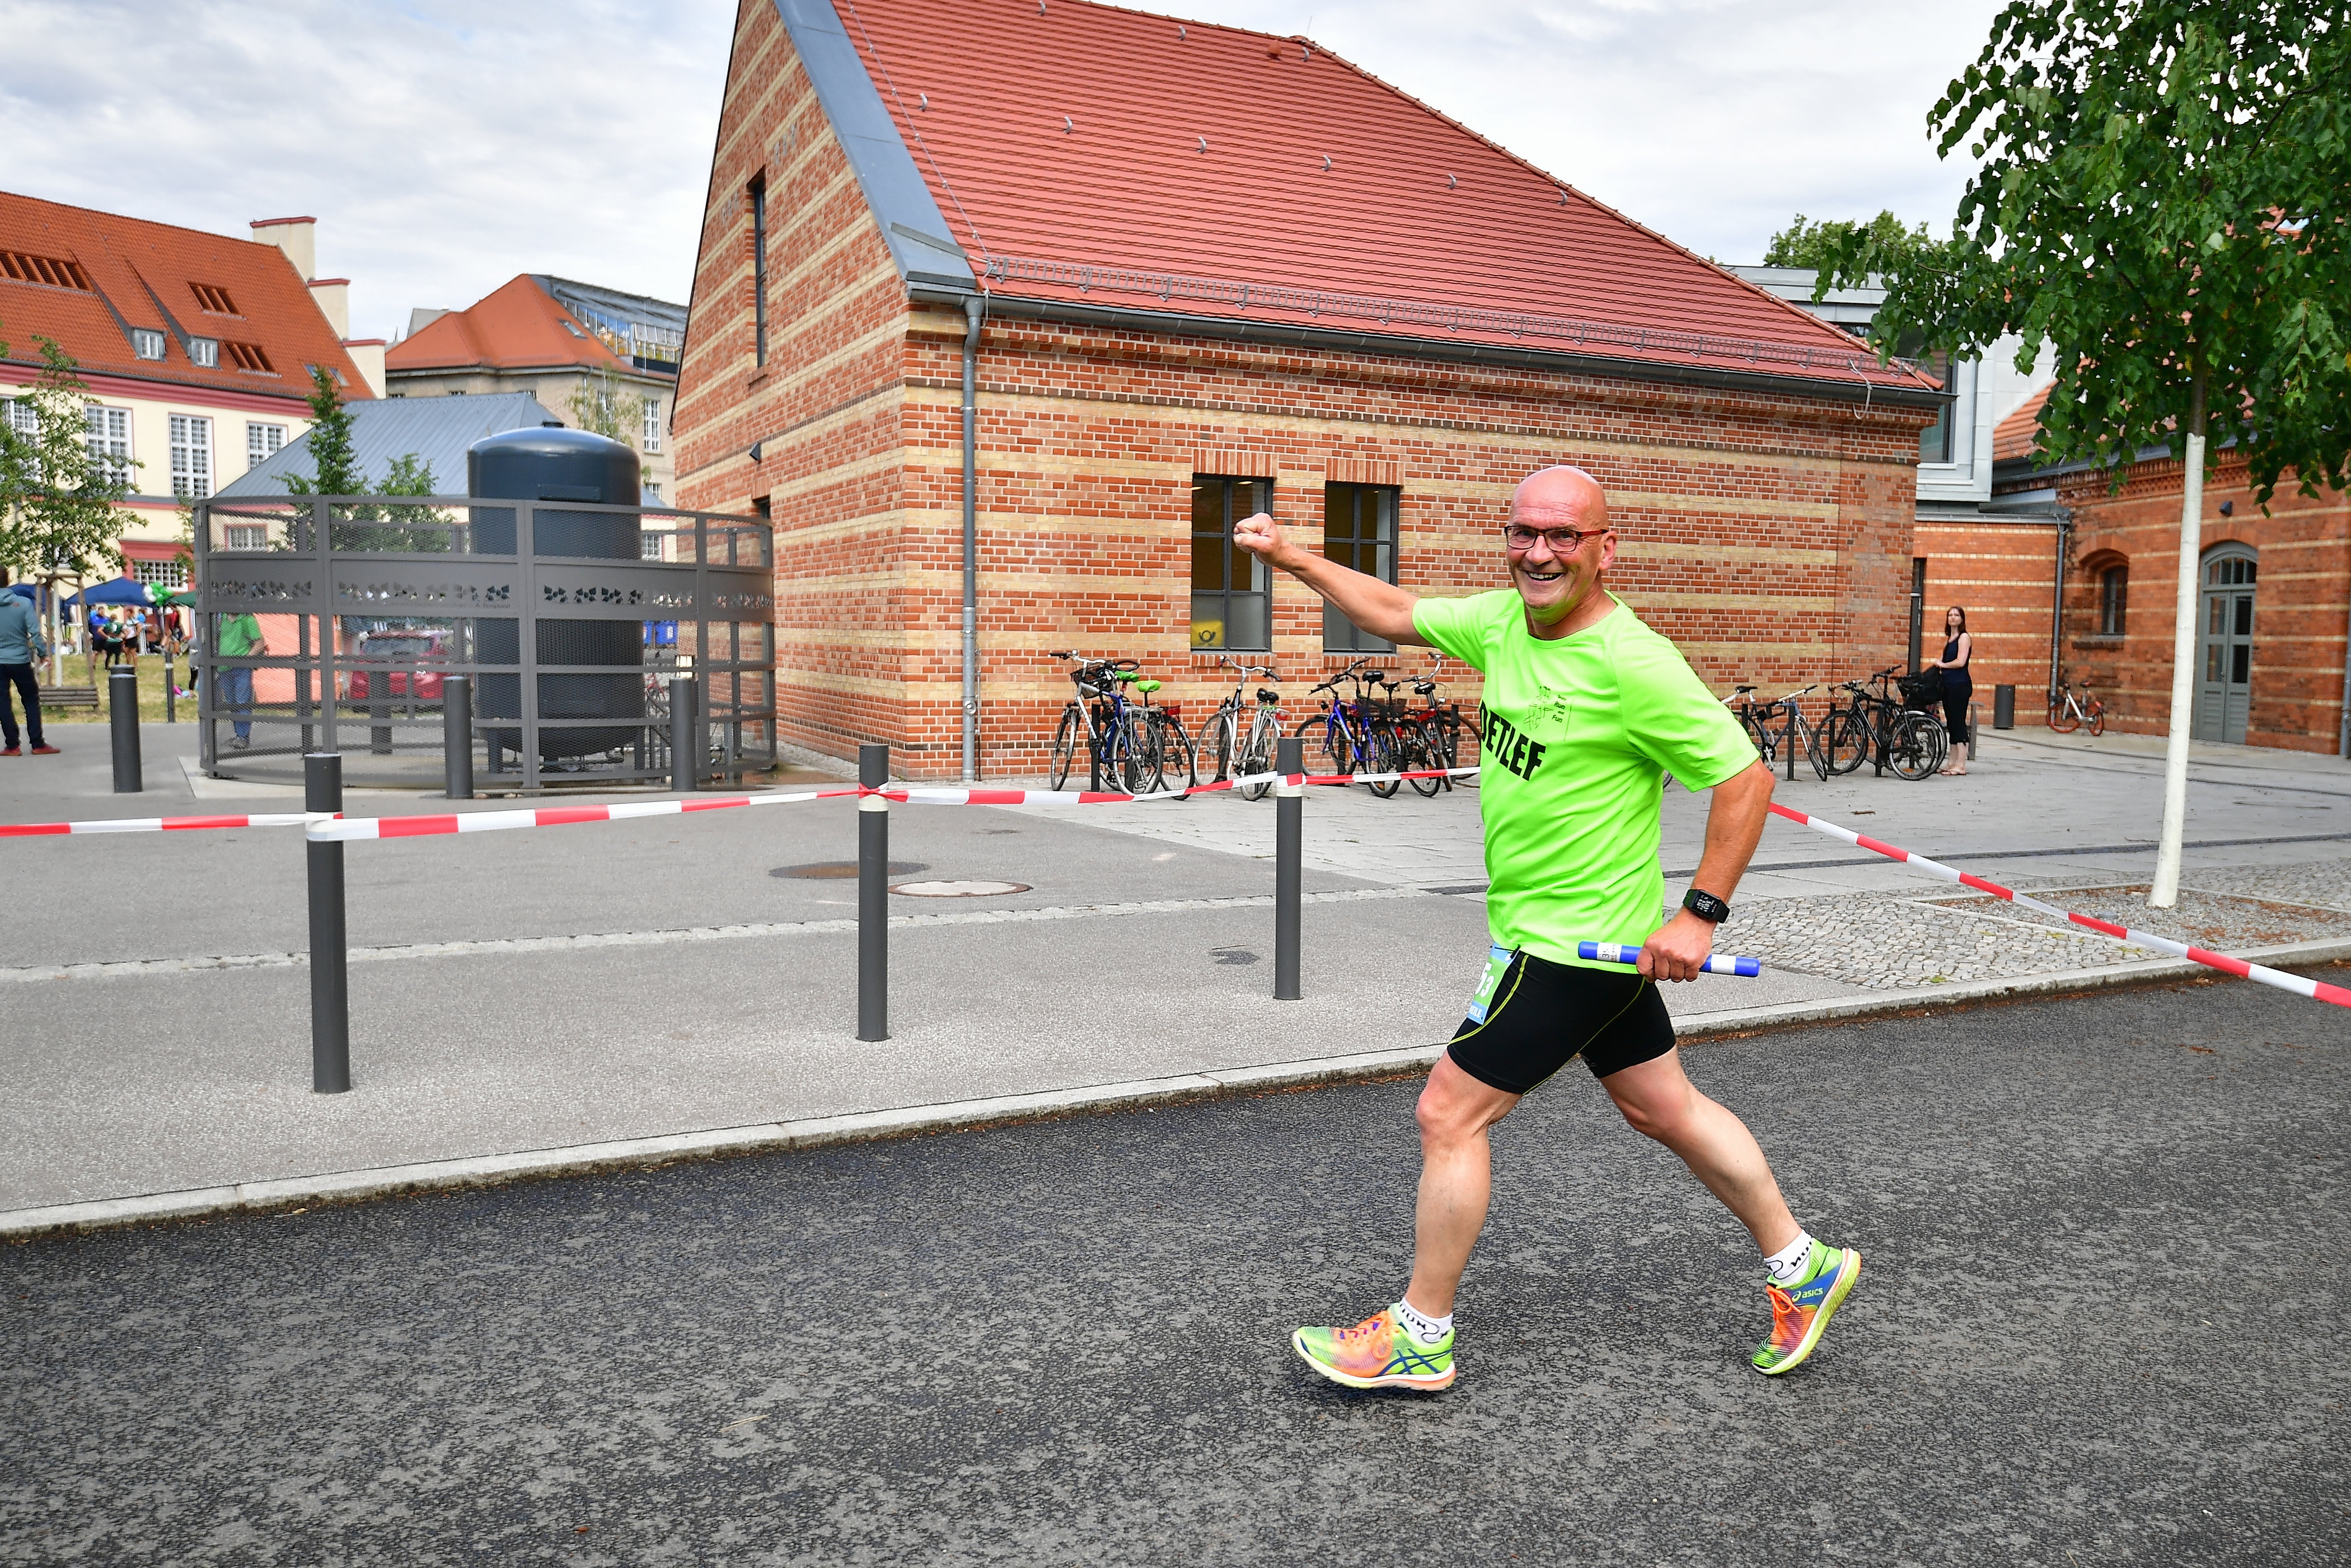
[758, 199]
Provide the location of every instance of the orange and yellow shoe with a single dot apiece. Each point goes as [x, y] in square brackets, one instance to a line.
[1801, 1312]
[1377, 1353]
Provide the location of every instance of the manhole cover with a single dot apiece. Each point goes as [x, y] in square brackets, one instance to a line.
[845, 870]
[958, 890]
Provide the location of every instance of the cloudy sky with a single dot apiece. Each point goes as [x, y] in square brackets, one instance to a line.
[446, 146]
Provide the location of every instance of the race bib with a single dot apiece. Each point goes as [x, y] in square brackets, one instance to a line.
[1498, 961]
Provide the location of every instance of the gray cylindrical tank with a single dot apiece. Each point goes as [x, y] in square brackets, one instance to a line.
[552, 463]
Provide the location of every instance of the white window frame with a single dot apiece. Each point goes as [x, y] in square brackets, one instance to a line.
[110, 437]
[205, 352]
[192, 456]
[245, 536]
[654, 423]
[147, 342]
[172, 574]
[261, 441]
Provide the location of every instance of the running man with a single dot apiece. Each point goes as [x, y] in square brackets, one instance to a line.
[1586, 708]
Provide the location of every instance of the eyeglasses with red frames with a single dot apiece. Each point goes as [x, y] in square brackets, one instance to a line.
[1563, 541]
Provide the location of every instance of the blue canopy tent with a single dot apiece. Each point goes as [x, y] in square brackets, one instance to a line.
[120, 591]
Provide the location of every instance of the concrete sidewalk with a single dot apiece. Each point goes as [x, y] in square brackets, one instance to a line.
[519, 995]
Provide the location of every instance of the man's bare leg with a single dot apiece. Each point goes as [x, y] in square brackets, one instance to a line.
[1660, 1101]
[1456, 1179]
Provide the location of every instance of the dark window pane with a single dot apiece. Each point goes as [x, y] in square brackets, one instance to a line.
[1228, 585]
[2240, 664]
[2244, 615]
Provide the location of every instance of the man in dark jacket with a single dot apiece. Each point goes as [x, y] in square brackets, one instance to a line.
[20, 646]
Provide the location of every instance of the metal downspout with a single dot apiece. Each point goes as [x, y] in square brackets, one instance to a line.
[2343, 746]
[972, 308]
[2057, 605]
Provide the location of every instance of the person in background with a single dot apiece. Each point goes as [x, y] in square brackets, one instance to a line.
[1957, 686]
[239, 637]
[21, 647]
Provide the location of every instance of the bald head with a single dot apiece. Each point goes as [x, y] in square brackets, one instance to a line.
[1560, 497]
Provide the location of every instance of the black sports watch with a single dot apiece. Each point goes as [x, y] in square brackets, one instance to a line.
[1706, 907]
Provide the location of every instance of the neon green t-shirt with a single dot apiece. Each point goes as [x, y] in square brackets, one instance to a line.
[1578, 735]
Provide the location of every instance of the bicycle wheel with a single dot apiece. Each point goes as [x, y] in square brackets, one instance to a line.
[2064, 717]
[2097, 718]
[1065, 745]
[1916, 747]
[1759, 731]
[1172, 748]
[1332, 738]
[1418, 748]
[1380, 751]
[1216, 743]
[1816, 747]
[1847, 742]
[1257, 754]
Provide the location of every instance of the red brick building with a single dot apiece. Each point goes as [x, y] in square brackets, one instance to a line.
[1198, 270]
[2274, 610]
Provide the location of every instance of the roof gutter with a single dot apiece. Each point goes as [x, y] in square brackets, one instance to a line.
[1176, 323]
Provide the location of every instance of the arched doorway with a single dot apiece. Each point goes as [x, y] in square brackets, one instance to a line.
[2224, 654]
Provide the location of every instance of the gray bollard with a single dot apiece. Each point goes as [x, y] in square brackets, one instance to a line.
[457, 737]
[685, 735]
[872, 895]
[330, 989]
[123, 711]
[1289, 876]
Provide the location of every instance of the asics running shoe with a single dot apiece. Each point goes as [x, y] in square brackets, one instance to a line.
[1801, 1312]
[1377, 1353]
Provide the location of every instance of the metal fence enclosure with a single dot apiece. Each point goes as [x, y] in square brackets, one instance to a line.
[329, 623]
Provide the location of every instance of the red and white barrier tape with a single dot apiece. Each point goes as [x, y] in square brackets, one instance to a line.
[157, 824]
[344, 829]
[2316, 989]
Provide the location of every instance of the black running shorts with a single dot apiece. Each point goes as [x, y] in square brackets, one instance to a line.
[1541, 1014]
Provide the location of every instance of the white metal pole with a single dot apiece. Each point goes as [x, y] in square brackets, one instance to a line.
[2166, 891]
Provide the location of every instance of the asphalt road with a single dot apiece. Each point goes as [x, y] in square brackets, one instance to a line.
[2102, 1322]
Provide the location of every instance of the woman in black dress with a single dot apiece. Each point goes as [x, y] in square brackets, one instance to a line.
[1957, 686]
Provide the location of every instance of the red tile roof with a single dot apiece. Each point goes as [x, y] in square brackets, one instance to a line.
[2020, 432]
[85, 278]
[518, 326]
[1091, 137]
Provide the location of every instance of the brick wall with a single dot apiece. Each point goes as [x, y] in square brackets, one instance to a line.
[1768, 535]
[2302, 595]
[2001, 573]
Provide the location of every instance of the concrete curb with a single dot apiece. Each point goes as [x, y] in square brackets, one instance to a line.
[387, 1181]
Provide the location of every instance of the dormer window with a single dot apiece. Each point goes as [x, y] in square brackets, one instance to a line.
[147, 343]
[205, 352]
[213, 298]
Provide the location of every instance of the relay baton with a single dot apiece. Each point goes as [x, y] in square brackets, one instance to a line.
[1610, 952]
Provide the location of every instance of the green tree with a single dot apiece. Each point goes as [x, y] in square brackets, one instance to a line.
[58, 495]
[1882, 243]
[602, 404]
[2162, 194]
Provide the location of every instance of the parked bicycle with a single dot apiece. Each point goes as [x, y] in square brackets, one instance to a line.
[1127, 742]
[1350, 743]
[1238, 740]
[1433, 729]
[1876, 727]
[1779, 728]
[2071, 706]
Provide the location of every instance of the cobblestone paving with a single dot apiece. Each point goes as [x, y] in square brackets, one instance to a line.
[1897, 941]
[2324, 882]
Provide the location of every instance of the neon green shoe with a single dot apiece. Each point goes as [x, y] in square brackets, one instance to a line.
[1801, 1312]
[1377, 1353]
